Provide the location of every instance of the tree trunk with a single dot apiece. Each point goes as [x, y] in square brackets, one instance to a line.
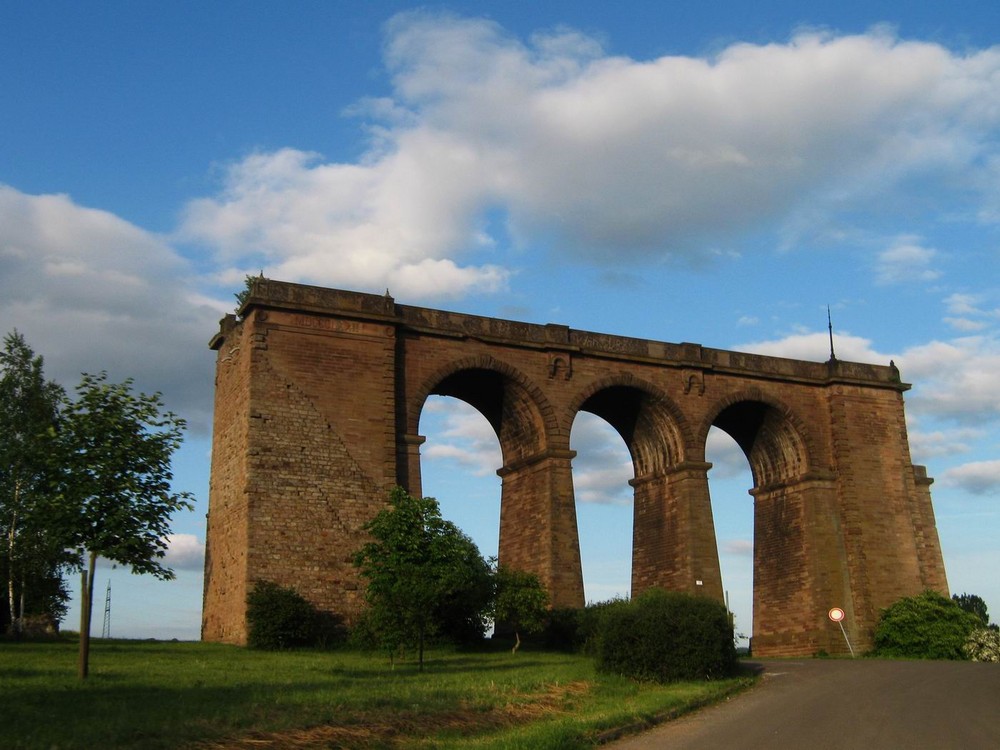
[517, 642]
[20, 609]
[15, 625]
[86, 605]
[420, 647]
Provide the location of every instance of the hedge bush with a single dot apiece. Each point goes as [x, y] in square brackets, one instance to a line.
[926, 626]
[665, 636]
[279, 618]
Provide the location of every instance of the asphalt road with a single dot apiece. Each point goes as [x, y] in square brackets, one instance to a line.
[862, 704]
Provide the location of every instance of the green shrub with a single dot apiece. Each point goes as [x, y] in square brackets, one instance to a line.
[666, 636]
[279, 618]
[926, 626]
[591, 618]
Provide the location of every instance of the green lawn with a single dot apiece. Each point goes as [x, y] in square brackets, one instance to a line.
[166, 694]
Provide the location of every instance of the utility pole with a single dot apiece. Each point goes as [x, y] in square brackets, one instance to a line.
[106, 629]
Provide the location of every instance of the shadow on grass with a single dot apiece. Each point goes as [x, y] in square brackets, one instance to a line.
[102, 714]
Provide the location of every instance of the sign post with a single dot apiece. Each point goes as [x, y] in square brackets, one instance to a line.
[837, 615]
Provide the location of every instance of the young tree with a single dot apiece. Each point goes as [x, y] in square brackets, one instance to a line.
[32, 558]
[520, 602]
[116, 494]
[423, 573]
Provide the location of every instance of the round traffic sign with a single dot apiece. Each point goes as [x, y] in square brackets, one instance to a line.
[836, 614]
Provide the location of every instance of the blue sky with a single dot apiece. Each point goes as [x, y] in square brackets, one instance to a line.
[707, 172]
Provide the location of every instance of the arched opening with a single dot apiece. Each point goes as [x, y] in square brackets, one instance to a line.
[602, 469]
[537, 526]
[730, 480]
[459, 461]
[775, 457]
[673, 541]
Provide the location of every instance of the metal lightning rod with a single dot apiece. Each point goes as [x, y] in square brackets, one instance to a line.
[829, 323]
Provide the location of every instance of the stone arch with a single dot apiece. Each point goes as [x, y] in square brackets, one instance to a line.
[778, 444]
[515, 407]
[673, 538]
[653, 427]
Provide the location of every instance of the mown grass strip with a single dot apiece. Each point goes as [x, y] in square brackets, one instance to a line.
[198, 695]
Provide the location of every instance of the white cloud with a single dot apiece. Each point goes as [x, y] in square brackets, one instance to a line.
[953, 380]
[725, 455]
[92, 292]
[458, 433]
[602, 467]
[963, 304]
[979, 477]
[184, 552]
[938, 443]
[738, 547]
[815, 347]
[904, 261]
[967, 314]
[965, 325]
[606, 157]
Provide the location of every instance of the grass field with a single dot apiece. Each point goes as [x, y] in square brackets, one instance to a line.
[144, 694]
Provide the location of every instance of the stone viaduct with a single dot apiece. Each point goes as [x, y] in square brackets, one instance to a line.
[318, 400]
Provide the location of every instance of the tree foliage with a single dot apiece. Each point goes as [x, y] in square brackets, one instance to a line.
[973, 604]
[926, 626]
[520, 602]
[424, 576]
[32, 560]
[116, 498]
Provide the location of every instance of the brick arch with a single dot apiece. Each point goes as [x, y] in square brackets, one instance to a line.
[778, 444]
[515, 407]
[655, 430]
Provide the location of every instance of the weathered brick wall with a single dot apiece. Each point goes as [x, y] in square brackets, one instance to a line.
[226, 540]
[317, 416]
[879, 501]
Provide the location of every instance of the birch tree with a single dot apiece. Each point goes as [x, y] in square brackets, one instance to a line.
[29, 413]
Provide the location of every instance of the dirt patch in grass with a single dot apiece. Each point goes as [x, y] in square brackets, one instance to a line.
[394, 729]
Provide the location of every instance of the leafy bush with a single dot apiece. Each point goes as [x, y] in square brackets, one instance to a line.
[590, 621]
[279, 618]
[926, 626]
[983, 644]
[666, 636]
